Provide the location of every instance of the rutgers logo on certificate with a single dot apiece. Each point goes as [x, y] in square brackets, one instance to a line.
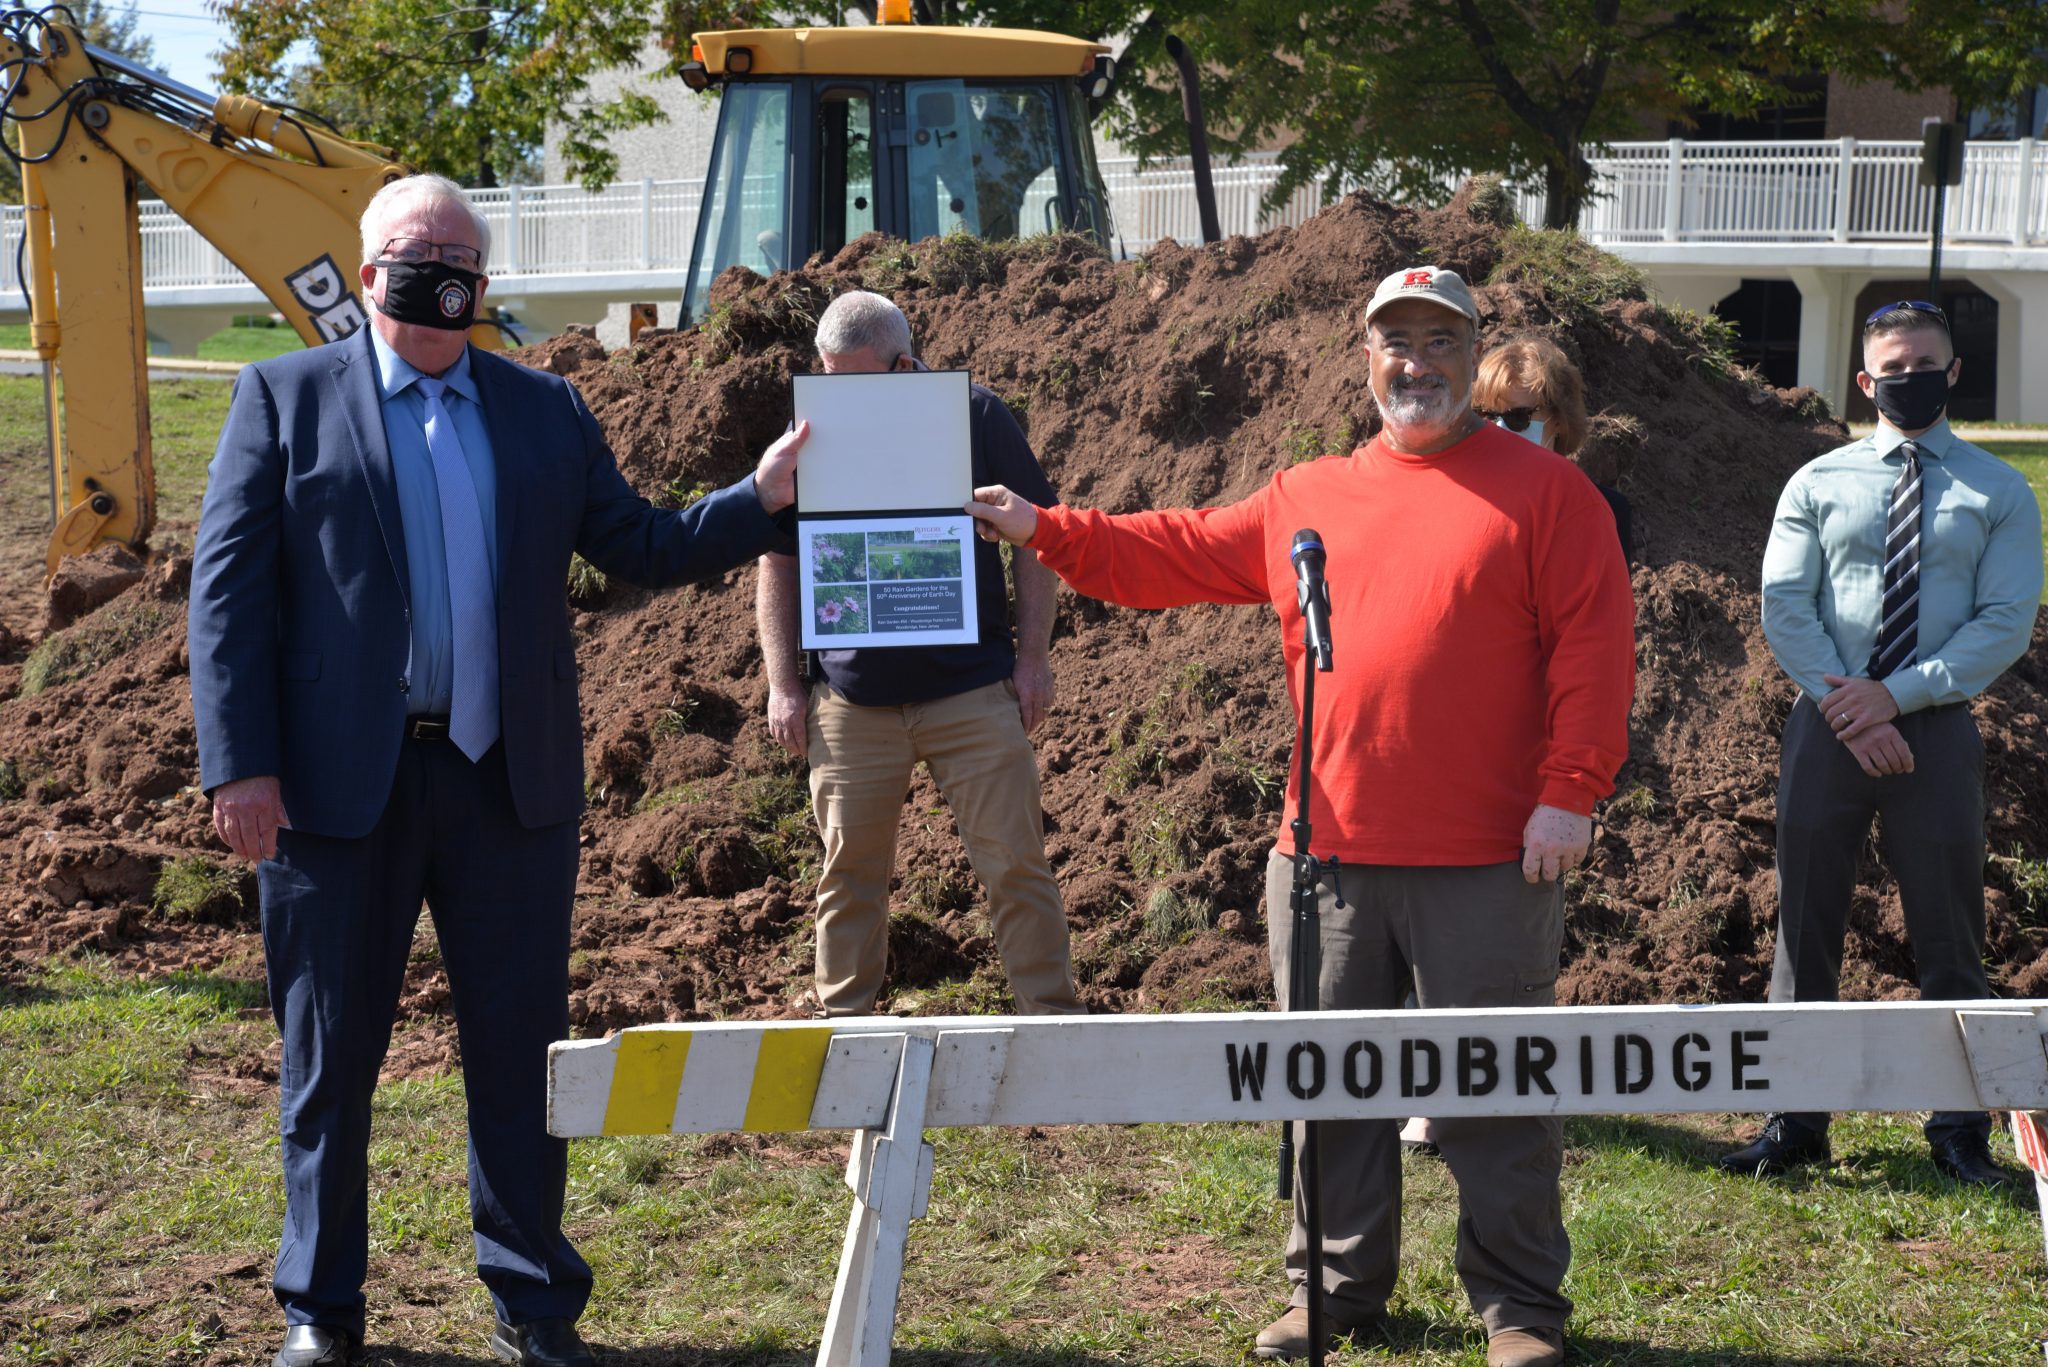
[885, 554]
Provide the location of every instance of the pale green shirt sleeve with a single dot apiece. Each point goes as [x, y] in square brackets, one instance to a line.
[1795, 573]
[2008, 593]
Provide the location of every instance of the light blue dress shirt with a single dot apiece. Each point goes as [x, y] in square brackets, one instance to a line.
[1980, 567]
[432, 670]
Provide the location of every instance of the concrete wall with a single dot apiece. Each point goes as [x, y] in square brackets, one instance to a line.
[675, 150]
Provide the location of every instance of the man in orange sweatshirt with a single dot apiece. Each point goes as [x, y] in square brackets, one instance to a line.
[1485, 661]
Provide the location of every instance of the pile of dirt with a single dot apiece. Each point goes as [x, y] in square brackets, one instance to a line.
[1186, 377]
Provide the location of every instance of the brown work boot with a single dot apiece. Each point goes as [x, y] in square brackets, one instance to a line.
[1525, 1348]
[1287, 1337]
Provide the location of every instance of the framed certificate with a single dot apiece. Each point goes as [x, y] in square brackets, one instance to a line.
[885, 553]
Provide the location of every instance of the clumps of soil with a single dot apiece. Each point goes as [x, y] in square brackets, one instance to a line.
[1185, 377]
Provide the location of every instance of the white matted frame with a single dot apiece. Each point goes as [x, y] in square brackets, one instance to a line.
[889, 1079]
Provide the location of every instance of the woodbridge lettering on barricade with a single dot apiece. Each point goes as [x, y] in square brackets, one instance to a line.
[1623, 1064]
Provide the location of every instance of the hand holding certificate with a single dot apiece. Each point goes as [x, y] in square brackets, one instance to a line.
[884, 552]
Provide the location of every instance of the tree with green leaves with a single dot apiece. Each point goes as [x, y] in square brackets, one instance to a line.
[465, 89]
[1407, 96]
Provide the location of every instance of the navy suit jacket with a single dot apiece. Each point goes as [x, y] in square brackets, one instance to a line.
[300, 626]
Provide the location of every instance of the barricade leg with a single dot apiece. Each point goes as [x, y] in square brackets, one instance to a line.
[891, 1176]
[2041, 1201]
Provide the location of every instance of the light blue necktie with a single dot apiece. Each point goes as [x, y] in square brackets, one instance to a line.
[473, 716]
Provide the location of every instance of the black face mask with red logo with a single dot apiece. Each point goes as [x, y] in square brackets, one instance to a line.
[432, 294]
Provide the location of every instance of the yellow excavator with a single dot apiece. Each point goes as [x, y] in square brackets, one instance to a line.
[823, 134]
[828, 133]
[276, 194]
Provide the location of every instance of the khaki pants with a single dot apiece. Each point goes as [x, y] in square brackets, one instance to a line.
[975, 746]
[1459, 937]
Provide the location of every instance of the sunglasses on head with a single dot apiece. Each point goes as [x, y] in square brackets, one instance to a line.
[1916, 305]
[1514, 419]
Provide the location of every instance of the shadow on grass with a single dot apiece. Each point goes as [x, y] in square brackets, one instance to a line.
[1405, 1332]
[1587, 1351]
[1659, 1139]
[686, 1355]
[227, 995]
[1410, 1333]
[1903, 1168]
[1895, 1167]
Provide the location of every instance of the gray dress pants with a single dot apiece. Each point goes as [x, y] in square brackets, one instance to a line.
[1932, 836]
[1458, 937]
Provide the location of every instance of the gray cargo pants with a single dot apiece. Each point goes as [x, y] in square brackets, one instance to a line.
[1459, 937]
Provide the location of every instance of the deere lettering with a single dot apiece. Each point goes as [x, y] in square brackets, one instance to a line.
[1625, 1064]
[319, 288]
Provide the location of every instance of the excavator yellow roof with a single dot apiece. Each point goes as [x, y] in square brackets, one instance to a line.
[901, 50]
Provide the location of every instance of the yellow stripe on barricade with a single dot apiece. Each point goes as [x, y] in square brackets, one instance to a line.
[786, 1078]
[645, 1079]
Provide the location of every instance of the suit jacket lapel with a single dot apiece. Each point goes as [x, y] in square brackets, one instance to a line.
[360, 401]
[506, 445]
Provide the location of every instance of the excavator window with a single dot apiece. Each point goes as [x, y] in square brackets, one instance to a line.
[984, 159]
[747, 201]
[846, 168]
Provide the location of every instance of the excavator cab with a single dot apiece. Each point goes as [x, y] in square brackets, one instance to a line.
[826, 134]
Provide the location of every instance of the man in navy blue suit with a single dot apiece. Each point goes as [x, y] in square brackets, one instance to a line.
[384, 684]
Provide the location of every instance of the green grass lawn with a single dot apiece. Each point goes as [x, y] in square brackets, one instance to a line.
[229, 344]
[249, 344]
[185, 419]
[2030, 458]
[1086, 1246]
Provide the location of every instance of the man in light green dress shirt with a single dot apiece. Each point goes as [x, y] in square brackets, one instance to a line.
[1901, 578]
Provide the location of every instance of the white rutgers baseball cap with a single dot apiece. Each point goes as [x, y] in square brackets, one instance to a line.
[1443, 287]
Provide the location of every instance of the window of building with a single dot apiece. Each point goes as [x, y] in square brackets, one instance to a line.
[2023, 117]
[1803, 116]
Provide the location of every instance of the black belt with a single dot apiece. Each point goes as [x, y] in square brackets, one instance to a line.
[426, 728]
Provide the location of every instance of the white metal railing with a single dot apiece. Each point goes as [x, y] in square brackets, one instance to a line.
[1839, 191]
[564, 229]
[1159, 202]
[1651, 192]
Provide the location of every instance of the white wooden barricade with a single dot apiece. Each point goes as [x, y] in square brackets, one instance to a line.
[889, 1079]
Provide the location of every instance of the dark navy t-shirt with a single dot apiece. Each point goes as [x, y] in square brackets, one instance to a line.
[895, 675]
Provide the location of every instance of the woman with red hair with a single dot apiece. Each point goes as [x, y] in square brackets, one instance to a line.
[1530, 387]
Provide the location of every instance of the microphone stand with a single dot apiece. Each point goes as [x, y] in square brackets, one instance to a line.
[1304, 993]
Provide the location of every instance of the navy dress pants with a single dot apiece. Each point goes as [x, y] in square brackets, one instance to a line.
[338, 919]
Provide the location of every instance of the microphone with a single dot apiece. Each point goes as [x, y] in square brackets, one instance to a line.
[1312, 595]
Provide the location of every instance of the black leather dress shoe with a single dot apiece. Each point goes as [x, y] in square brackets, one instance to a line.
[543, 1343]
[1783, 1145]
[1967, 1158]
[316, 1345]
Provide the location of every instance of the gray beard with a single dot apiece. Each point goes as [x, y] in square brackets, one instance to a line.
[1418, 407]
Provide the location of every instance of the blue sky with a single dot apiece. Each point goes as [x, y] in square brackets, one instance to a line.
[185, 35]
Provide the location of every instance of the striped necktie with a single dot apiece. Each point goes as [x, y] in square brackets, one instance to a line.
[472, 599]
[1898, 634]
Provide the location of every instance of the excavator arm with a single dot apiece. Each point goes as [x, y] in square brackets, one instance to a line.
[278, 197]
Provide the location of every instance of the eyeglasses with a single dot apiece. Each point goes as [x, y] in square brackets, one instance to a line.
[1514, 419]
[408, 251]
[1916, 305]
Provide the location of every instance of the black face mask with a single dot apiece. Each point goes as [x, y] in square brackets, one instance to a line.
[432, 294]
[1913, 400]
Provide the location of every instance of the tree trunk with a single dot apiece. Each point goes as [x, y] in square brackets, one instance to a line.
[1567, 182]
[1560, 204]
[486, 174]
[1198, 137]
